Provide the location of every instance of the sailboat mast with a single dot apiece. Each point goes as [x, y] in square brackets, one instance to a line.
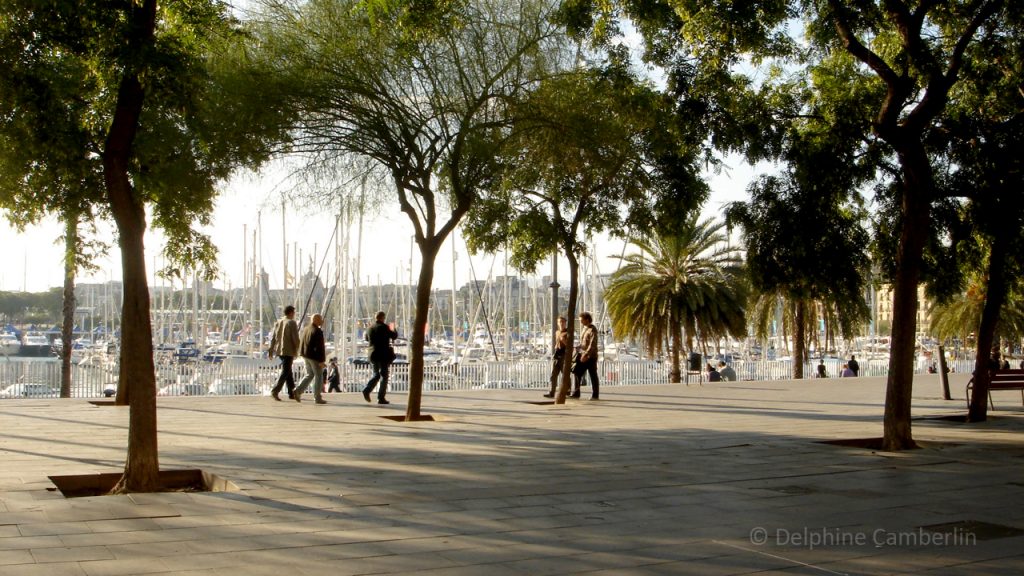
[357, 312]
[284, 253]
[257, 236]
[455, 340]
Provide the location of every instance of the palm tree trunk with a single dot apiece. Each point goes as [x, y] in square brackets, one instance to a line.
[799, 339]
[675, 373]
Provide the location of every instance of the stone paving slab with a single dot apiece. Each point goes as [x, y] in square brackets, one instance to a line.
[727, 478]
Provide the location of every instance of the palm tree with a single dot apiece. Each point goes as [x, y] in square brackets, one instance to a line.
[684, 282]
[800, 317]
[961, 316]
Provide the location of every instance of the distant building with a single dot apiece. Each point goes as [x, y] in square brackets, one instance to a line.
[882, 313]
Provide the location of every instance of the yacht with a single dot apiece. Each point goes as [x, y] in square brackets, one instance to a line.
[9, 344]
[35, 344]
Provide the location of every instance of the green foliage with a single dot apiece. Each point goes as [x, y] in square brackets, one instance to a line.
[690, 280]
[705, 49]
[960, 316]
[57, 107]
[804, 235]
[29, 307]
[591, 151]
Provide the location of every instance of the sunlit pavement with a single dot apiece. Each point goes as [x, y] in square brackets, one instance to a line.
[725, 478]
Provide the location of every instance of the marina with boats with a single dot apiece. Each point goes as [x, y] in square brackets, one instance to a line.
[494, 331]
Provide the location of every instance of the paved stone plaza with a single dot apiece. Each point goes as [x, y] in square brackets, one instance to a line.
[725, 478]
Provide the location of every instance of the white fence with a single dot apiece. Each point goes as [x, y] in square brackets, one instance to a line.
[41, 377]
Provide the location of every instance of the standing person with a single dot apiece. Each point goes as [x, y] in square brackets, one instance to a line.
[588, 357]
[333, 376]
[285, 343]
[558, 358]
[314, 353]
[728, 374]
[821, 369]
[382, 355]
[852, 364]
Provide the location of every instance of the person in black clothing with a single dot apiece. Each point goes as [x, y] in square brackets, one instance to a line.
[853, 366]
[713, 375]
[382, 355]
[333, 376]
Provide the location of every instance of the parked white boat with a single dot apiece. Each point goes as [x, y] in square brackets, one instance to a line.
[9, 344]
[35, 344]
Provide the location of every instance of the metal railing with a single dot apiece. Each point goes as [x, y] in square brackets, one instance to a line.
[40, 378]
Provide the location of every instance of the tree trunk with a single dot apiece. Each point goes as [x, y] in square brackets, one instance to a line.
[944, 374]
[68, 309]
[137, 376]
[675, 375]
[428, 253]
[574, 288]
[913, 230]
[799, 338]
[995, 295]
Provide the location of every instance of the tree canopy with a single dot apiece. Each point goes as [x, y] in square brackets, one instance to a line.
[679, 287]
[118, 112]
[422, 90]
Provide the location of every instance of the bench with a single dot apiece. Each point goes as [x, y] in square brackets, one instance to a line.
[1001, 380]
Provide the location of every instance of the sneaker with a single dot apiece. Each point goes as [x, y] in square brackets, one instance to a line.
[297, 398]
[366, 395]
[276, 397]
[321, 401]
[383, 401]
[549, 395]
[575, 394]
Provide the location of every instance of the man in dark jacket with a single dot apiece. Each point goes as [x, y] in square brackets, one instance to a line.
[380, 336]
[314, 353]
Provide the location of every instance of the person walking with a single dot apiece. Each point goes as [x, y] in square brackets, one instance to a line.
[284, 343]
[314, 353]
[588, 358]
[382, 355]
[558, 357]
[333, 376]
[853, 366]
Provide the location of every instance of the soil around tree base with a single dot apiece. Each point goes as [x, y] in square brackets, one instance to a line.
[100, 484]
[420, 418]
[874, 444]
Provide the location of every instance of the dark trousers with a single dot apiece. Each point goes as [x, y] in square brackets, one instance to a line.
[589, 367]
[381, 371]
[286, 376]
[556, 372]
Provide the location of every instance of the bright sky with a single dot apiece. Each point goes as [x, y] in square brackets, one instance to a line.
[32, 260]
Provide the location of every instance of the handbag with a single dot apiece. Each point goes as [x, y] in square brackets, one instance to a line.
[391, 355]
[578, 368]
